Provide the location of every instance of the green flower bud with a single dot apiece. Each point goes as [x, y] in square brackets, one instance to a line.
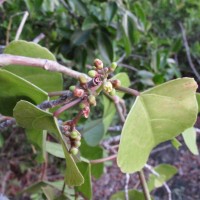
[113, 66]
[113, 92]
[78, 138]
[72, 88]
[107, 86]
[98, 63]
[74, 134]
[77, 144]
[92, 73]
[82, 78]
[73, 151]
[92, 100]
[82, 105]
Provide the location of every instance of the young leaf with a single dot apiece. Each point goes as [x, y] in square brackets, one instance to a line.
[29, 116]
[165, 171]
[158, 115]
[176, 144]
[133, 194]
[105, 46]
[189, 136]
[13, 88]
[46, 80]
[85, 188]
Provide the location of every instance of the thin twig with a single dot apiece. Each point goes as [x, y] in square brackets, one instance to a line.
[40, 37]
[144, 185]
[67, 106]
[126, 186]
[187, 48]
[103, 159]
[19, 30]
[49, 65]
[128, 90]
[150, 168]
[128, 67]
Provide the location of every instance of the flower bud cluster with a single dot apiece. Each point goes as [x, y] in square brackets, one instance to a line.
[75, 140]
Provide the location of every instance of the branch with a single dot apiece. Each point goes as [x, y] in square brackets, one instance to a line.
[144, 185]
[49, 65]
[150, 168]
[187, 48]
[128, 90]
[19, 30]
[103, 159]
[126, 186]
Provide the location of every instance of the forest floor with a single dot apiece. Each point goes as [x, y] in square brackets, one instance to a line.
[185, 185]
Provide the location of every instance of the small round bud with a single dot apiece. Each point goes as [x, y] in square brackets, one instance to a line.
[113, 66]
[113, 92]
[77, 144]
[82, 105]
[92, 73]
[74, 134]
[72, 88]
[92, 100]
[82, 78]
[78, 138]
[73, 151]
[116, 83]
[107, 86]
[78, 92]
[98, 63]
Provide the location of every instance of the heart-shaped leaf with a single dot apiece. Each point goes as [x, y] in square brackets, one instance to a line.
[158, 115]
[13, 88]
[29, 116]
[46, 80]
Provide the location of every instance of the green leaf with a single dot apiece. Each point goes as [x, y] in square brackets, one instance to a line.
[45, 80]
[92, 153]
[198, 100]
[55, 149]
[80, 7]
[158, 115]
[126, 39]
[89, 23]
[85, 188]
[189, 136]
[38, 139]
[165, 171]
[29, 116]
[79, 37]
[105, 46]
[176, 143]
[34, 188]
[13, 88]
[93, 132]
[111, 10]
[133, 194]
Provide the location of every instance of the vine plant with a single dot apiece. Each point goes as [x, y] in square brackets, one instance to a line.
[30, 93]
